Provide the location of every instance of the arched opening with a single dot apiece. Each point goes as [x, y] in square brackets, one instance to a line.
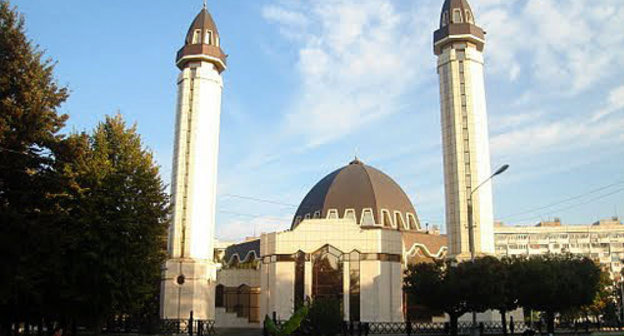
[327, 276]
[197, 36]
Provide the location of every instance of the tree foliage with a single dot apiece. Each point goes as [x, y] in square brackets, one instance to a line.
[550, 283]
[439, 286]
[83, 217]
[118, 226]
[29, 134]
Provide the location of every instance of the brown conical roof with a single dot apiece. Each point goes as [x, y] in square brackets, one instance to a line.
[464, 10]
[356, 186]
[457, 23]
[203, 21]
[202, 42]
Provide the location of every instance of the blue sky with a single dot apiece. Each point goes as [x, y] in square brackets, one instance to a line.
[310, 83]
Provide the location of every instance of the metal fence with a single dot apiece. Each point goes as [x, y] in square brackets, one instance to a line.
[464, 328]
[190, 326]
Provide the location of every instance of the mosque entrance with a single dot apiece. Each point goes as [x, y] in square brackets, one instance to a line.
[327, 275]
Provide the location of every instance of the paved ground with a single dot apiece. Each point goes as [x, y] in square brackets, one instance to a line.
[238, 332]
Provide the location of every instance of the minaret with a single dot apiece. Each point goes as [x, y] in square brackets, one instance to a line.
[189, 274]
[459, 46]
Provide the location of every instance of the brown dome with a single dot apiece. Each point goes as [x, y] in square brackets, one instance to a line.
[358, 189]
[202, 42]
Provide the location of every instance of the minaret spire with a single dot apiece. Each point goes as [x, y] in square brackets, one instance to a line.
[189, 276]
[459, 45]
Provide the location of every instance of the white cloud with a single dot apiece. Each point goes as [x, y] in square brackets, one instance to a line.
[561, 135]
[565, 45]
[356, 59]
[615, 103]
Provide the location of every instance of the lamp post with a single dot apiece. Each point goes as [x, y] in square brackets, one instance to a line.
[471, 243]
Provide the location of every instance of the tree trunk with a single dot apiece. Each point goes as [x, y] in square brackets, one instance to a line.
[504, 321]
[453, 320]
[550, 321]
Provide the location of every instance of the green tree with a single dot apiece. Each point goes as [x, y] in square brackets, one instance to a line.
[489, 286]
[29, 134]
[555, 283]
[604, 297]
[324, 317]
[118, 226]
[439, 286]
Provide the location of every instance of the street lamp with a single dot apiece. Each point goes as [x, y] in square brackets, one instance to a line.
[471, 230]
[499, 171]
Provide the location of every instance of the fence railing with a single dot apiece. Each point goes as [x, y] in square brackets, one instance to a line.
[464, 328]
[190, 326]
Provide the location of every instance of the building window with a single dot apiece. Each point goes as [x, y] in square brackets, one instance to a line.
[219, 292]
[457, 18]
[445, 19]
[398, 219]
[367, 218]
[327, 277]
[411, 221]
[197, 36]
[317, 214]
[217, 40]
[299, 278]
[468, 16]
[354, 286]
[332, 214]
[386, 220]
[208, 38]
[350, 214]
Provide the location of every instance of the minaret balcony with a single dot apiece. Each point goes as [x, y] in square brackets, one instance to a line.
[205, 52]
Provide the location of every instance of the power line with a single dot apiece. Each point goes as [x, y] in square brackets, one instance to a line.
[254, 216]
[517, 214]
[250, 198]
[579, 204]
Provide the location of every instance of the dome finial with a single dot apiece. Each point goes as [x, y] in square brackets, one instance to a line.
[204, 4]
[356, 160]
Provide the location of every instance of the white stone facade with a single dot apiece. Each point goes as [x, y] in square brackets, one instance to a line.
[602, 242]
[194, 184]
[465, 147]
[378, 254]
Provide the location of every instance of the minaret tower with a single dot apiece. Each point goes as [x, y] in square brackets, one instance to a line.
[189, 274]
[459, 46]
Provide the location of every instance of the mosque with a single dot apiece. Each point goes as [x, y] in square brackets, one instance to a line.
[355, 231]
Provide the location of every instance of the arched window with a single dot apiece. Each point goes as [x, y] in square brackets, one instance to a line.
[317, 214]
[367, 218]
[332, 214]
[386, 219]
[398, 219]
[327, 277]
[197, 36]
[350, 214]
[457, 16]
[411, 221]
[468, 16]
